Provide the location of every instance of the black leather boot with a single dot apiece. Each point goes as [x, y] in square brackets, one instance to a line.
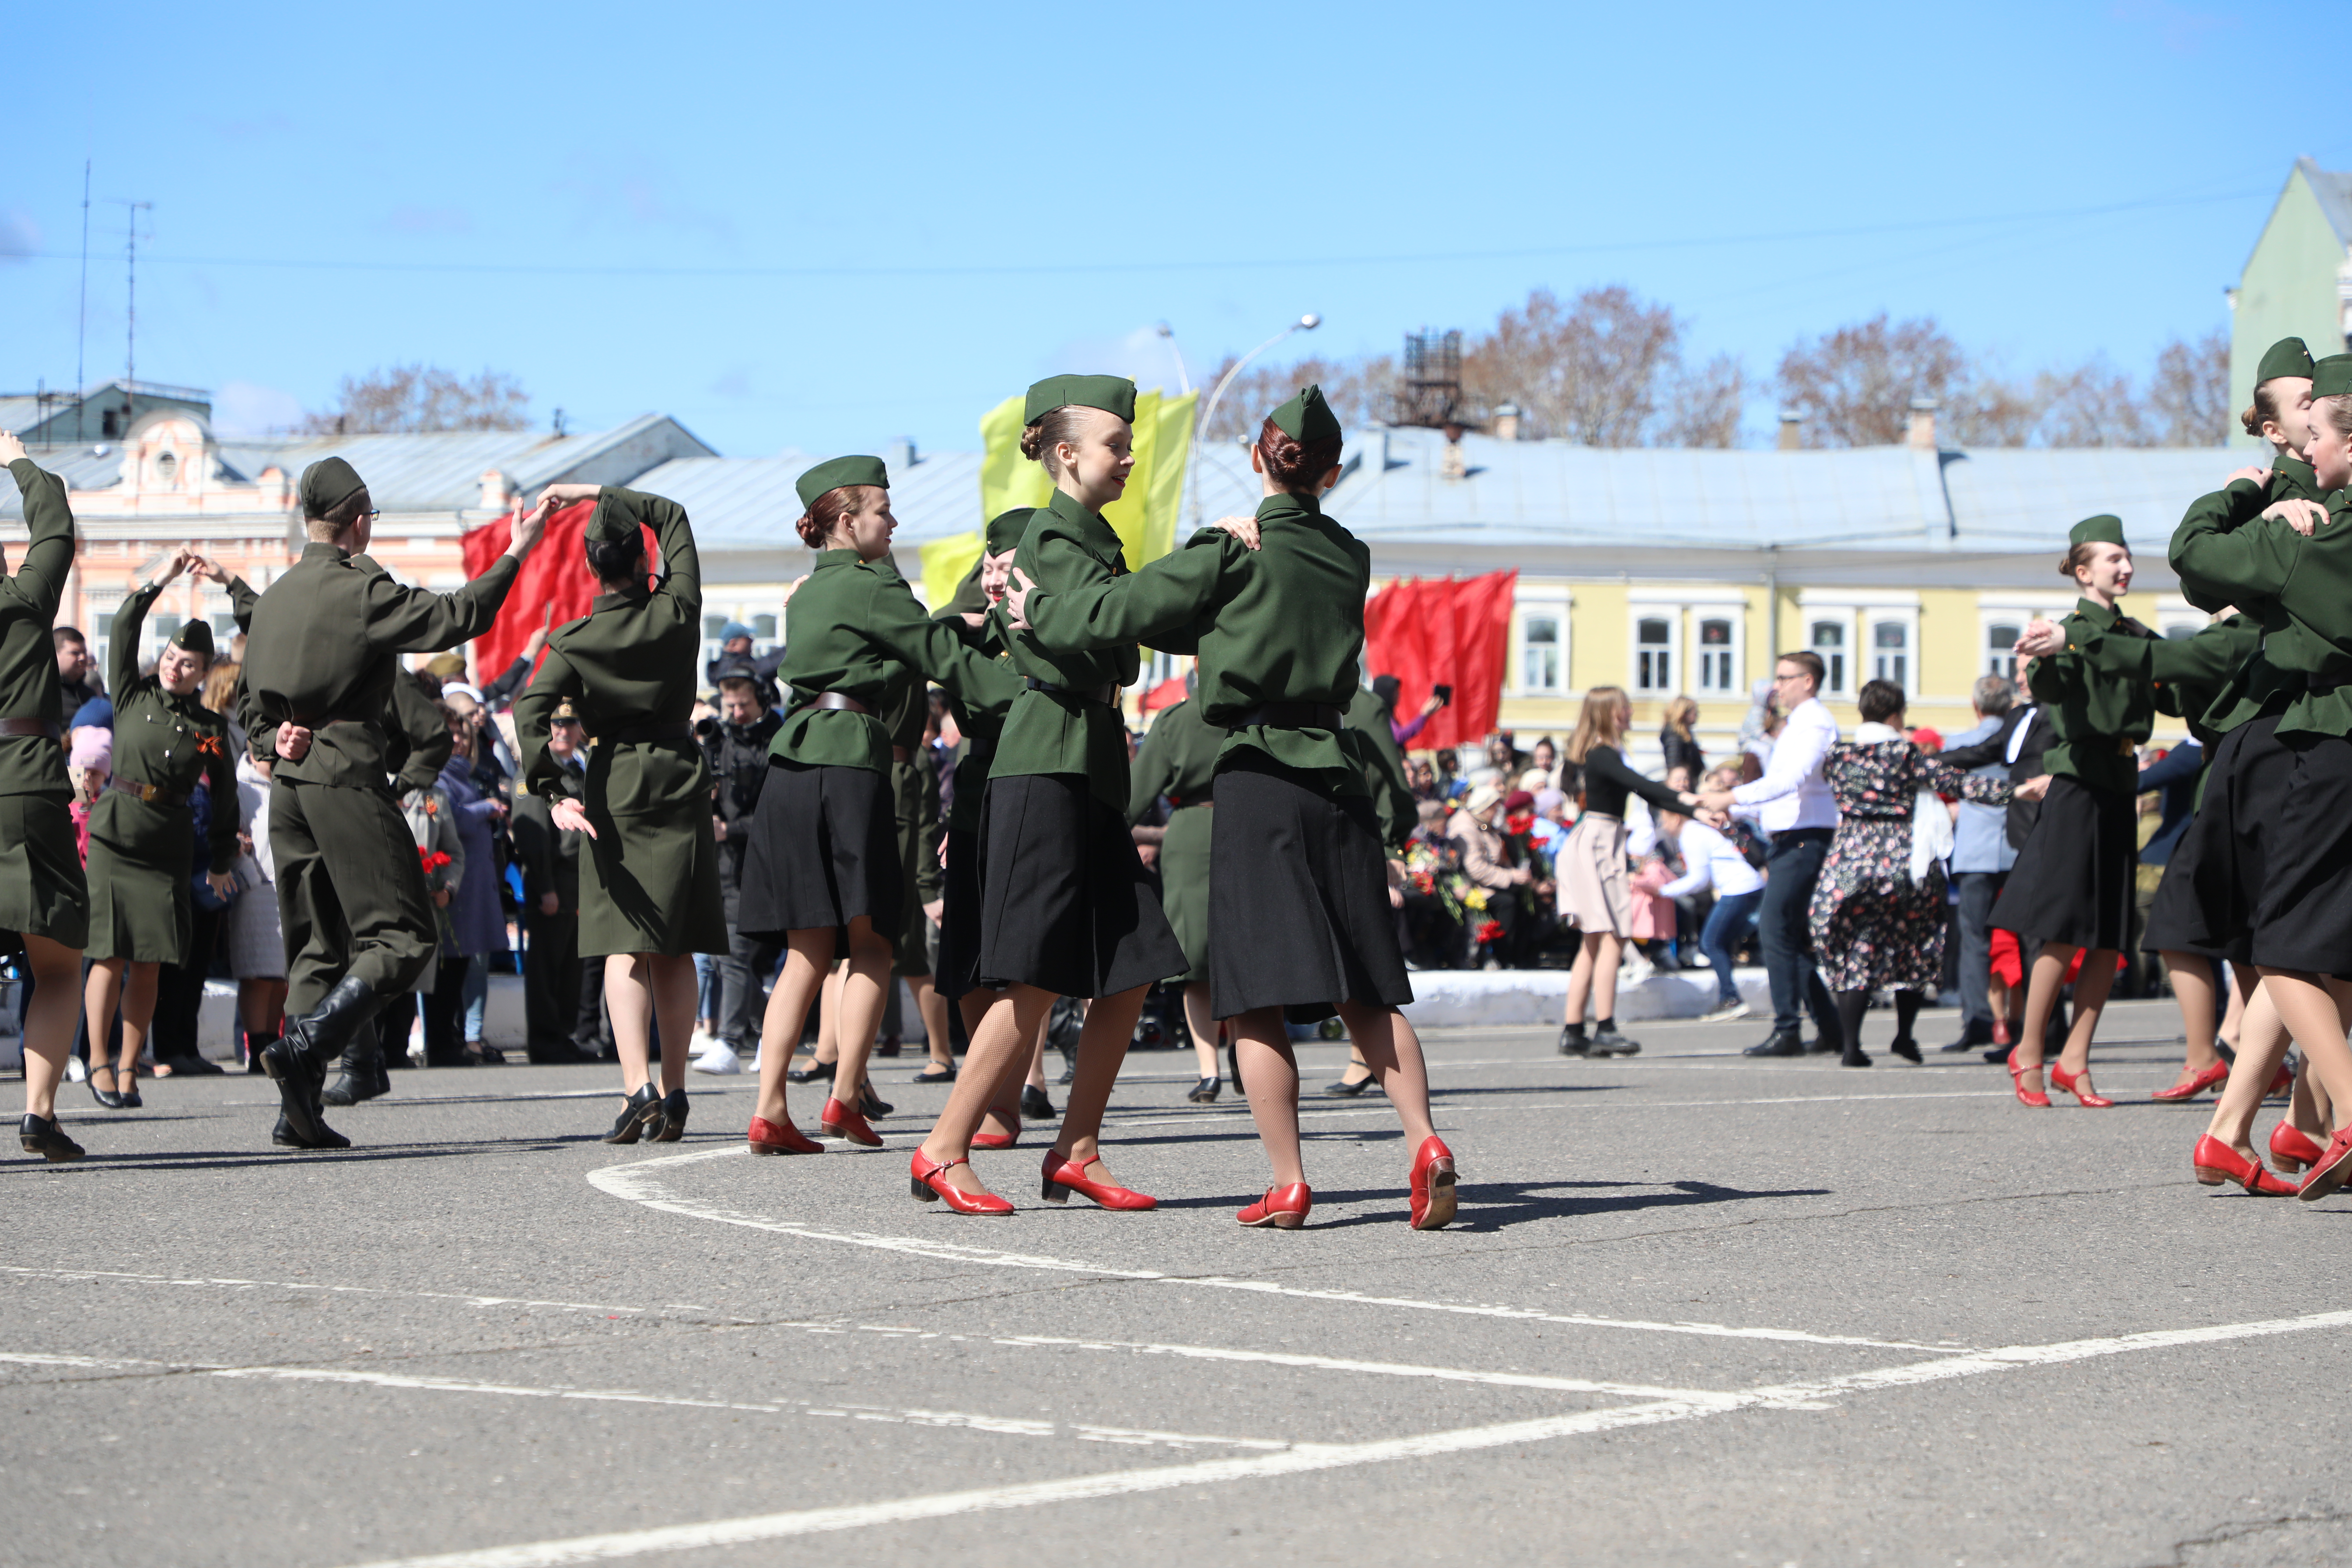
[363, 1076]
[296, 1061]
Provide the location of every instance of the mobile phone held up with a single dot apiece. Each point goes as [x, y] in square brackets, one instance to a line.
[1444, 694]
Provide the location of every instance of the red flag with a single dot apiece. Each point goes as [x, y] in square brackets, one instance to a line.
[1167, 694]
[1444, 633]
[556, 575]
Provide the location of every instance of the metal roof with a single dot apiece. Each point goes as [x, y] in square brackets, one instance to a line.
[2335, 193]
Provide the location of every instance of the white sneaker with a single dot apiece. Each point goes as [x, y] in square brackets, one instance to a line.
[77, 1070]
[1634, 970]
[720, 1059]
[1723, 1012]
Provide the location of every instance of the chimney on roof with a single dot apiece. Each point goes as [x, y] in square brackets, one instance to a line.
[1792, 430]
[900, 454]
[1507, 422]
[497, 490]
[1921, 436]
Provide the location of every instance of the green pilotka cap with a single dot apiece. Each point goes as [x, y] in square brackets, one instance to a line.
[835, 472]
[2288, 357]
[327, 484]
[1006, 528]
[197, 636]
[2103, 529]
[1111, 394]
[609, 523]
[2332, 377]
[1307, 418]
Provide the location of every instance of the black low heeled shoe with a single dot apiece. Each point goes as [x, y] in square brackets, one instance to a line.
[811, 1073]
[41, 1135]
[870, 1104]
[127, 1090]
[639, 1112]
[1035, 1105]
[928, 1076]
[1350, 1087]
[671, 1125]
[105, 1097]
[1908, 1048]
[1205, 1092]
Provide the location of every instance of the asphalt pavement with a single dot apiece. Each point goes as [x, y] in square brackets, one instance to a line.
[1696, 1310]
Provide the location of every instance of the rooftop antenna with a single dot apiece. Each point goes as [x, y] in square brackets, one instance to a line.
[81, 326]
[130, 307]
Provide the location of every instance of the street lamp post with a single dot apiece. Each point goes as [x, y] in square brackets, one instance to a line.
[1305, 323]
[1184, 378]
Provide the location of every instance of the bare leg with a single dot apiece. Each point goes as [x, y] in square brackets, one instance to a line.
[671, 979]
[1608, 952]
[2312, 1008]
[1037, 1078]
[1001, 1038]
[859, 1017]
[139, 985]
[808, 958]
[1579, 982]
[934, 1010]
[827, 1050]
[1204, 1028]
[2261, 1046]
[101, 994]
[261, 1005]
[1271, 1071]
[1102, 1050]
[2090, 988]
[2043, 981]
[2323, 1111]
[1393, 1049]
[628, 1002]
[49, 1020]
[2192, 987]
[2241, 991]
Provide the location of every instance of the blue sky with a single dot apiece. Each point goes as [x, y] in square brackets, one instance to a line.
[824, 226]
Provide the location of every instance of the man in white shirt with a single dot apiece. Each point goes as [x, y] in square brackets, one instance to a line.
[1793, 804]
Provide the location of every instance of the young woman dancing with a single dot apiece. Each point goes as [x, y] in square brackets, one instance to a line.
[1595, 890]
[2285, 777]
[2095, 674]
[142, 832]
[1299, 922]
[1067, 908]
[43, 897]
[823, 876]
[649, 893]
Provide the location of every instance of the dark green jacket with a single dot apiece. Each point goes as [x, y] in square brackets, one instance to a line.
[2256, 682]
[1177, 759]
[2101, 693]
[170, 743]
[2298, 589]
[324, 650]
[980, 710]
[35, 765]
[854, 627]
[1370, 738]
[1071, 554]
[630, 664]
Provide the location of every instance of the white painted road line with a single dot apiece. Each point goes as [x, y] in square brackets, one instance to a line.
[639, 1183]
[1306, 1457]
[1006, 1426]
[202, 1282]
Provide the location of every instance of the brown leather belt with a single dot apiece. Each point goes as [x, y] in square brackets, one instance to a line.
[1105, 694]
[1291, 716]
[152, 794]
[841, 700]
[642, 734]
[40, 727]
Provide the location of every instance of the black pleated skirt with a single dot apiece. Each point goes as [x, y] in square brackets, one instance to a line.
[1066, 903]
[2290, 841]
[2073, 882]
[959, 920]
[824, 851]
[1299, 899]
[2198, 908]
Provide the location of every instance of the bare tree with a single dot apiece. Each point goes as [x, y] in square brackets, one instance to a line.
[1592, 372]
[1706, 406]
[2189, 396]
[1358, 389]
[1855, 384]
[2089, 406]
[405, 399]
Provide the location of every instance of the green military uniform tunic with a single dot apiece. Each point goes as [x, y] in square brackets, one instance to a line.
[2101, 694]
[1374, 743]
[1069, 723]
[42, 890]
[322, 650]
[1179, 759]
[2300, 592]
[991, 686]
[650, 880]
[915, 803]
[141, 845]
[2256, 681]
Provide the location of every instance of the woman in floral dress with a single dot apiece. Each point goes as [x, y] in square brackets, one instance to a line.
[1878, 912]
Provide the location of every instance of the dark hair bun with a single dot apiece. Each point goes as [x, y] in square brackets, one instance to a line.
[811, 533]
[1293, 464]
[1033, 442]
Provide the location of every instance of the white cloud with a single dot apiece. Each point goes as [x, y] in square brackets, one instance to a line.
[243, 410]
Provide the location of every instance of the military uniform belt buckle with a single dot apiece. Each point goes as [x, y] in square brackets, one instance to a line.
[2125, 746]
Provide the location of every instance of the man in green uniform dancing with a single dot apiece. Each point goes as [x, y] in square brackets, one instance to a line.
[321, 660]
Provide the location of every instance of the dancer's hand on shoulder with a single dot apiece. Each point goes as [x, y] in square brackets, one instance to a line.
[1016, 600]
[2303, 516]
[1241, 528]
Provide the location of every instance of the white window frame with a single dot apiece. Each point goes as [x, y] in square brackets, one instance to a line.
[1672, 615]
[1861, 612]
[1549, 601]
[2014, 609]
[1908, 622]
[1686, 608]
[1837, 667]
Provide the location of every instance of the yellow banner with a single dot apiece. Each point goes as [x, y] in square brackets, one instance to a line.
[945, 563]
[1145, 518]
[1007, 478]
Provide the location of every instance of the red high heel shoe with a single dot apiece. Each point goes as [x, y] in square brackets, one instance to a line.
[2216, 1162]
[1284, 1208]
[930, 1184]
[2211, 1077]
[2032, 1097]
[1064, 1177]
[1431, 1185]
[2329, 1172]
[2078, 1085]
[998, 1140]
[781, 1138]
[839, 1121]
[2292, 1148]
[2282, 1082]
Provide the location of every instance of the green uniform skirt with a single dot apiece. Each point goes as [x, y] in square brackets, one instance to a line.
[1184, 885]
[649, 883]
[138, 909]
[42, 890]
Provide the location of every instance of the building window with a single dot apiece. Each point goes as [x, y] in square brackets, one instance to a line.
[2001, 638]
[1828, 643]
[162, 628]
[165, 466]
[1654, 653]
[763, 628]
[1540, 653]
[1718, 665]
[1890, 653]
